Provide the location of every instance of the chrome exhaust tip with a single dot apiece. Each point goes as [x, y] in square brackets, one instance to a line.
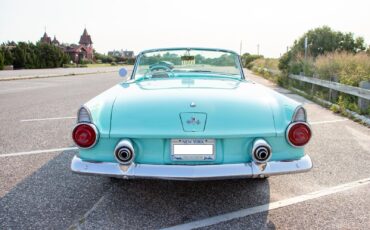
[124, 152]
[261, 151]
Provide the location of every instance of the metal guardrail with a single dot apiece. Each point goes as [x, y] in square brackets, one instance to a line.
[355, 91]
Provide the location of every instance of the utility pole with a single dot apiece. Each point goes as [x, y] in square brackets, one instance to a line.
[241, 46]
[258, 49]
[305, 48]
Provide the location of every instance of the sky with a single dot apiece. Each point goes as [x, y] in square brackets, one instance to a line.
[144, 24]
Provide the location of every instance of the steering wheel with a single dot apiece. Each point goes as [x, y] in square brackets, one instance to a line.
[160, 67]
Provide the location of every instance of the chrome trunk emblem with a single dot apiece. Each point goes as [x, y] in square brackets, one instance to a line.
[193, 104]
[193, 121]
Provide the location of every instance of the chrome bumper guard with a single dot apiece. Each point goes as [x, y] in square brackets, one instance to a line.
[191, 172]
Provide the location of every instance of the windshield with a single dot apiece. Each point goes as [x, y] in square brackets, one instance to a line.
[187, 63]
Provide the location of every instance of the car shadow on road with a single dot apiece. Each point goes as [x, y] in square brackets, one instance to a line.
[152, 204]
[54, 197]
[50, 198]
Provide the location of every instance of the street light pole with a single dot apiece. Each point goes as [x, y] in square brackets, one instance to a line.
[241, 46]
[305, 48]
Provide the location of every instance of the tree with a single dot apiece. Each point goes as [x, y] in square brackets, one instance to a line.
[19, 55]
[248, 58]
[284, 61]
[104, 58]
[30, 56]
[321, 40]
[7, 54]
[1, 60]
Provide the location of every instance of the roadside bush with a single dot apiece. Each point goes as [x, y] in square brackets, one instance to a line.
[28, 55]
[113, 63]
[268, 63]
[1, 60]
[70, 65]
[349, 68]
[268, 68]
[247, 60]
[7, 54]
[85, 62]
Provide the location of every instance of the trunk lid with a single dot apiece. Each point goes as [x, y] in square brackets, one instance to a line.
[192, 107]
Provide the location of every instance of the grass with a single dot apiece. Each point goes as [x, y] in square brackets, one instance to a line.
[349, 68]
[98, 65]
[345, 68]
[94, 65]
[268, 63]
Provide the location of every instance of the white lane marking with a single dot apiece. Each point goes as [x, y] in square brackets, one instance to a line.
[324, 122]
[47, 119]
[270, 206]
[37, 152]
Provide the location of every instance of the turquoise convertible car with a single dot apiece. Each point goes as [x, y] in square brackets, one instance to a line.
[190, 114]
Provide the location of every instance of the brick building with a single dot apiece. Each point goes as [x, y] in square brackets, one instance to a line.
[81, 52]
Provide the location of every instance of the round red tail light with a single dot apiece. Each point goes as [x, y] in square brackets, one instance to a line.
[299, 134]
[85, 135]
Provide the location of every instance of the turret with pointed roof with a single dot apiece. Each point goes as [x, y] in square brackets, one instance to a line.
[45, 38]
[55, 41]
[85, 39]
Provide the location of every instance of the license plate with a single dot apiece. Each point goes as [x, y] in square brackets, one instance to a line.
[193, 149]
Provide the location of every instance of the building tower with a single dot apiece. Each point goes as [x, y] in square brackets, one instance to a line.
[45, 38]
[85, 39]
[55, 41]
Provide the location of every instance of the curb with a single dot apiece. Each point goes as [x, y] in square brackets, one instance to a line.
[327, 104]
[51, 75]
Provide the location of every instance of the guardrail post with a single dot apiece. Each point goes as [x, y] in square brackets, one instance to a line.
[313, 88]
[333, 94]
[363, 104]
[301, 83]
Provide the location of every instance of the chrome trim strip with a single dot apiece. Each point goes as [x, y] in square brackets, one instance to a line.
[187, 48]
[138, 57]
[295, 113]
[191, 172]
[88, 111]
[93, 127]
[288, 129]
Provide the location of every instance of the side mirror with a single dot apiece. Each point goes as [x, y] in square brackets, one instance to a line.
[122, 72]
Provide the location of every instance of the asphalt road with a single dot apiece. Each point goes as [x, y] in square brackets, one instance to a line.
[38, 191]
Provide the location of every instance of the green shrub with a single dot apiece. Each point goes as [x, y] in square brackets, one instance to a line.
[113, 63]
[349, 68]
[247, 59]
[28, 55]
[71, 65]
[85, 61]
[1, 60]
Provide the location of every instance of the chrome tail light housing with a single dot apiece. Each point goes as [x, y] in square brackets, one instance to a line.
[298, 134]
[85, 135]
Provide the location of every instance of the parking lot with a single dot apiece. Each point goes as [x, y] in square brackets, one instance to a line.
[38, 190]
